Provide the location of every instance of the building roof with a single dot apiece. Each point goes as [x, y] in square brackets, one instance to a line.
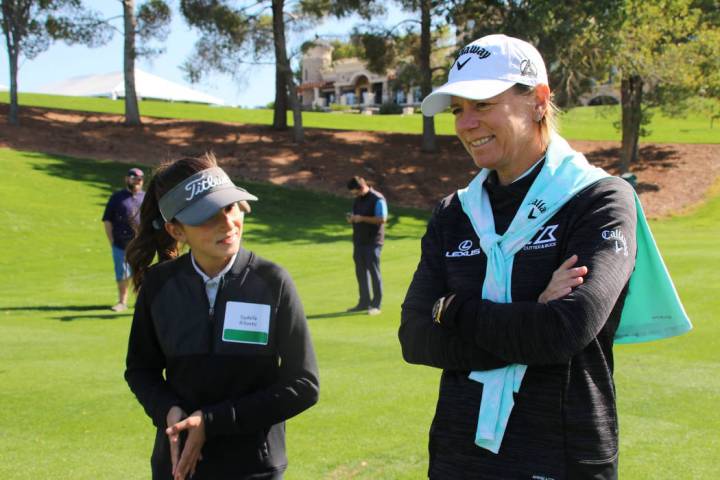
[112, 85]
[320, 84]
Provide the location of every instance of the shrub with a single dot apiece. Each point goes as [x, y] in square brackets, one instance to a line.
[390, 109]
[336, 107]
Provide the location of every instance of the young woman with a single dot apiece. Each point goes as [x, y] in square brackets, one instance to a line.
[219, 354]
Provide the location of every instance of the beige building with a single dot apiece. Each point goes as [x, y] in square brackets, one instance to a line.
[346, 82]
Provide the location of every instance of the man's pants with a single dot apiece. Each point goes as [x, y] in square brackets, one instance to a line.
[367, 270]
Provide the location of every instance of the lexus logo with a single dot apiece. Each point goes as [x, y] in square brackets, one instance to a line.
[465, 245]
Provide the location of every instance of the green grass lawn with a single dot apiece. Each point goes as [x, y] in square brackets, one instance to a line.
[584, 123]
[67, 412]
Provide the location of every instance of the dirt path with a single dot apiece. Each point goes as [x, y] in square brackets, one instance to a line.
[671, 176]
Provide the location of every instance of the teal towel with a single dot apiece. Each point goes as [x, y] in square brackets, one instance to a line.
[652, 309]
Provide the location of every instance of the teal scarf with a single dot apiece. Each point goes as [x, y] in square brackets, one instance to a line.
[564, 174]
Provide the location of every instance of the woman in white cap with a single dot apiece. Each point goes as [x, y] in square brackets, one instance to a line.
[522, 335]
[219, 354]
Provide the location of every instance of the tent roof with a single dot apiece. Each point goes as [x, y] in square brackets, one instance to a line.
[113, 85]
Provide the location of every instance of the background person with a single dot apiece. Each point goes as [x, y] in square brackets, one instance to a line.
[122, 214]
[368, 219]
[219, 354]
[524, 339]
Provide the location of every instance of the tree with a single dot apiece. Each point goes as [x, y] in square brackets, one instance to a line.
[30, 26]
[233, 38]
[426, 6]
[151, 21]
[667, 53]
[237, 37]
[576, 39]
[383, 48]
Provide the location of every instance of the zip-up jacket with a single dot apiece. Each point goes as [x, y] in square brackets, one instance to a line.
[564, 421]
[246, 385]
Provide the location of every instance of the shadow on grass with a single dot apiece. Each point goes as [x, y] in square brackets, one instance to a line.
[107, 177]
[343, 313]
[288, 215]
[104, 316]
[55, 308]
[71, 308]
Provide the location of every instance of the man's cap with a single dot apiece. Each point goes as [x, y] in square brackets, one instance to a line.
[198, 198]
[487, 67]
[135, 172]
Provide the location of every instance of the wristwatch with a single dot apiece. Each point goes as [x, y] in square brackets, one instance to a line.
[437, 310]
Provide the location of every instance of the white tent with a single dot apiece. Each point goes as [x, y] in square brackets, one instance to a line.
[112, 85]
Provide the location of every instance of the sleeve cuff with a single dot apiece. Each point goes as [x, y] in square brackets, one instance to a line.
[160, 417]
[461, 306]
[466, 318]
[219, 419]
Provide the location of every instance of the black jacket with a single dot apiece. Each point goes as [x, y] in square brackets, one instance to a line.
[245, 390]
[564, 422]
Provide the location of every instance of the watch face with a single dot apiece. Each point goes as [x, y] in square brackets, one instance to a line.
[437, 308]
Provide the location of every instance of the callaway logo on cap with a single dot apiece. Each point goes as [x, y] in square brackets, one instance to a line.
[487, 67]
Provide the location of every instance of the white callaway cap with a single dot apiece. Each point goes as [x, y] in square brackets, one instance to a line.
[487, 67]
[200, 196]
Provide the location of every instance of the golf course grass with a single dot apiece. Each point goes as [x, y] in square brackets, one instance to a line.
[582, 123]
[67, 412]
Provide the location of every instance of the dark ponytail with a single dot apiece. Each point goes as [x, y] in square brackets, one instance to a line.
[151, 238]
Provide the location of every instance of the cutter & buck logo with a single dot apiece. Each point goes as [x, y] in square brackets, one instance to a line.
[545, 238]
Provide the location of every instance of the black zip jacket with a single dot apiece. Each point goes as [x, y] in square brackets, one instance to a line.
[245, 390]
[564, 422]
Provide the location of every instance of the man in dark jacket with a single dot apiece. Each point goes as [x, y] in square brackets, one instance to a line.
[368, 218]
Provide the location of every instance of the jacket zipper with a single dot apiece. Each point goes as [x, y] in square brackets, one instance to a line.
[211, 317]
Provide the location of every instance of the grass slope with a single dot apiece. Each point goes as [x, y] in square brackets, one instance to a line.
[584, 123]
[67, 412]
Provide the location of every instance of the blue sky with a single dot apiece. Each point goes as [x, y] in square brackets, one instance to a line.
[61, 62]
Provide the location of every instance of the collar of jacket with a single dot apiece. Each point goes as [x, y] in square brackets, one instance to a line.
[242, 260]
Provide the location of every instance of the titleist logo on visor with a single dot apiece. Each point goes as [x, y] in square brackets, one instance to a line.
[194, 189]
[200, 185]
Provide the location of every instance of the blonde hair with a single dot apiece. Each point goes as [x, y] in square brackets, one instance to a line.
[549, 120]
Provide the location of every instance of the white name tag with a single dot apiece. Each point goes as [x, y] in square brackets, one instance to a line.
[246, 323]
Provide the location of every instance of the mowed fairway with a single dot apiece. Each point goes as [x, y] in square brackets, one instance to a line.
[66, 412]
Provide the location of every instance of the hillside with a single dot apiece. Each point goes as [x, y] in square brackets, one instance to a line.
[671, 176]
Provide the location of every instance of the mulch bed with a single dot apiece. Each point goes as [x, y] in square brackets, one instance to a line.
[671, 177]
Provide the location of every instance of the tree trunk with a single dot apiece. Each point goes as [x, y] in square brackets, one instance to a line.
[429, 143]
[298, 132]
[14, 108]
[12, 15]
[281, 98]
[631, 100]
[132, 113]
[283, 65]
